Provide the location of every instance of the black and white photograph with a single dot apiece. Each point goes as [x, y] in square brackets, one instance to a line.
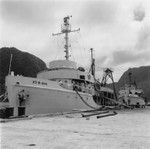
[74, 74]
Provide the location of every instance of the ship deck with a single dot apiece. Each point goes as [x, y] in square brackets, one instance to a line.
[128, 129]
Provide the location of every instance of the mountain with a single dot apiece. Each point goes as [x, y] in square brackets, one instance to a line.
[140, 76]
[23, 63]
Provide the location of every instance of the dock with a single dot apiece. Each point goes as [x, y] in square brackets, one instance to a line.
[127, 129]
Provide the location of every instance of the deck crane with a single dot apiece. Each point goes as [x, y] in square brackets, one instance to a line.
[108, 73]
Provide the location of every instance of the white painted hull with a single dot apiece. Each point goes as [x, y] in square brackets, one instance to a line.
[48, 99]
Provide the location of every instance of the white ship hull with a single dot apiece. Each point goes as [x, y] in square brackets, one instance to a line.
[44, 97]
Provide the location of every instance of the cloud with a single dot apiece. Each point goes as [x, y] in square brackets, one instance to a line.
[143, 39]
[139, 13]
[27, 12]
[101, 62]
[129, 56]
[98, 12]
[105, 26]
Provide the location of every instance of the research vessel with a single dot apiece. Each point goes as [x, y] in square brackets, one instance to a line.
[62, 87]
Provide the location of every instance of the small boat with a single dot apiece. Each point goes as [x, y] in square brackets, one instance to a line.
[131, 95]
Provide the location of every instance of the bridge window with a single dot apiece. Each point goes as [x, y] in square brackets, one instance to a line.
[82, 77]
[109, 95]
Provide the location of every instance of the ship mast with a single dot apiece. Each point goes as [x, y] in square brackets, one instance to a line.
[92, 69]
[66, 29]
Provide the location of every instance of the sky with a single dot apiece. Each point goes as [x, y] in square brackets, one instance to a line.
[117, 30]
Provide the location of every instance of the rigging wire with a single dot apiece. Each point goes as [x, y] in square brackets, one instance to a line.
[58, 43]
[84, 52]
[71, 51]
[82, 44]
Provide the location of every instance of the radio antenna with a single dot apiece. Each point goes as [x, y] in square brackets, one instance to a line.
[66, 29]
